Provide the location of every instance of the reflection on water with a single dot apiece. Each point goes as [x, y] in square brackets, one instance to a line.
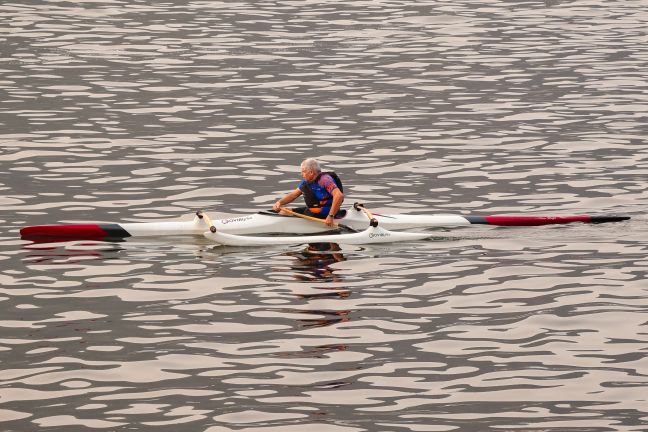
[314, 262]
[314, 265]
[120, 111]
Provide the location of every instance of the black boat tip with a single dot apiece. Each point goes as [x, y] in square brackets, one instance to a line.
[604, 219]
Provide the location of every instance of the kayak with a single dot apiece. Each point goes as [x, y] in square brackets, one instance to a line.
[268, 222]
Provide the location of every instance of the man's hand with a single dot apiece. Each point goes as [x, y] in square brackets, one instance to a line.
[290, 197]
[329, 220]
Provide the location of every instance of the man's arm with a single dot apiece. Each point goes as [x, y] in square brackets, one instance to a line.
[338, 199]
[288, 198]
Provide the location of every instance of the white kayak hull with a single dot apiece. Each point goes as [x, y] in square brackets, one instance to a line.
[368, 236]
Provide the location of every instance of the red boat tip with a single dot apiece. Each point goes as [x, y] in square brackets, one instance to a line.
[75, 231]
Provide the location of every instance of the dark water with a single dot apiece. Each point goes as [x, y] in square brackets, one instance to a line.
[131, 111]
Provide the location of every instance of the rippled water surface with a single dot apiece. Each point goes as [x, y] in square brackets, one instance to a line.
[138, 110]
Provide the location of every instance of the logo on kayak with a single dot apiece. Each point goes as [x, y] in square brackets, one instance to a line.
[233, 220]
[379, 234]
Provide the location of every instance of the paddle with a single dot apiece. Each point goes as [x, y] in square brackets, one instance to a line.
[303, 216]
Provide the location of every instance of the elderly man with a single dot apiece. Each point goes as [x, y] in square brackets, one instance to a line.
[323, 192]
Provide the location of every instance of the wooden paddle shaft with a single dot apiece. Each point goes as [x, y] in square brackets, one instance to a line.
[303, 216]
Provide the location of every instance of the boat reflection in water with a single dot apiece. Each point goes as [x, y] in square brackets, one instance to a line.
[313, 264]
[314, 261]
[52, 251]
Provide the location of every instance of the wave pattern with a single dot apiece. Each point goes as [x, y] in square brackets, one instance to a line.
[124, 111]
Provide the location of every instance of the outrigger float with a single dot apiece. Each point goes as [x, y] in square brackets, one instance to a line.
[270, 228]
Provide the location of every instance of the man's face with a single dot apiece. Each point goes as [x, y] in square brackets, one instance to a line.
[308, 175]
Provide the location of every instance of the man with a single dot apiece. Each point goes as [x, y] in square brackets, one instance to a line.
[322, 192]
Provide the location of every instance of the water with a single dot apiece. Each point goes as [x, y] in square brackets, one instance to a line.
[129, 111]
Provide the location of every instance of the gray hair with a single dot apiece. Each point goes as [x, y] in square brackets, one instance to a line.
[311, 164]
